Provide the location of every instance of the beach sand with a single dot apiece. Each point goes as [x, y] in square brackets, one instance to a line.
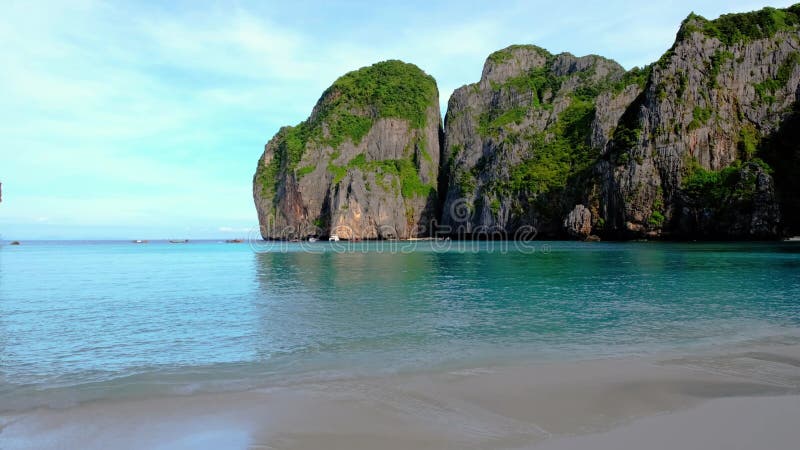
[738, 399]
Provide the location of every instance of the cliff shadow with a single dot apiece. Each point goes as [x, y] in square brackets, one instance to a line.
[781, 151]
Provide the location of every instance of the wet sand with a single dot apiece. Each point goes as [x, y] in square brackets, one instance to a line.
[747, 398]
[741, 423]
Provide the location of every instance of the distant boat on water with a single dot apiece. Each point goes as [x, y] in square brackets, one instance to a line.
[140, 241]
[312, 239]
[334, 238]
[234, 241]
[178, 241]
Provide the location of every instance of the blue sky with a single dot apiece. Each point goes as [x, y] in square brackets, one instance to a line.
[140, 120]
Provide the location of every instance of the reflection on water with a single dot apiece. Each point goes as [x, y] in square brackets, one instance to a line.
[429, 307]
[83, 316]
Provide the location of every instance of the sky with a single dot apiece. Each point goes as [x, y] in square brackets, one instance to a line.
[146, 119]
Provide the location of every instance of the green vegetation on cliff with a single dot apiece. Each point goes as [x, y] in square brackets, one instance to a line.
[713, 188]
[538, 82]
[491, 126]
[717, 60]
[386, 89]
[348, 110]
[743, 27]
[555, 159]
[350, 106]
[404, 170]
[507, 53]
[535, 86]
[347, 125]
[638, 76]
[767, 89]
[557, 156]
[700, 116]
[290, 147]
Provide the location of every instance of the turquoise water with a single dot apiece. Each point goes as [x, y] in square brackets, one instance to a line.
[82, 320]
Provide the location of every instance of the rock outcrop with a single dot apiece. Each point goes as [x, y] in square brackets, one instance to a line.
[696, 145]
[521, 143]
[578, 223]
[702, 144]
[690, 157]
[363, 166]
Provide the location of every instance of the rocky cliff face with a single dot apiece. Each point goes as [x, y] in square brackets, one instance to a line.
[521, 143]
[704, 143]
[695, 145]
[364, 165]
[690, 157]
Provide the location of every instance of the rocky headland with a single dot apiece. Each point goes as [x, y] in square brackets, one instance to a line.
[363, 165]
[702, 144]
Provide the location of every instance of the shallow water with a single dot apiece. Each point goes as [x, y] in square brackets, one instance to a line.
[90, 320]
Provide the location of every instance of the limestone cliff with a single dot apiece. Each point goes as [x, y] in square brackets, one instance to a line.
[692, 156]
[701, 144]
[363, 165]
[704, 143]
[521, 143]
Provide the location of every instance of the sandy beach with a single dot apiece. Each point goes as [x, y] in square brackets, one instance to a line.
[743, 398]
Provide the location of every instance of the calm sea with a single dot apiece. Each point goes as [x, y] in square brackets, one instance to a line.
[94, 320]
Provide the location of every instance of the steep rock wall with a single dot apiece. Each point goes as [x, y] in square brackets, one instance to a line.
[363, 166]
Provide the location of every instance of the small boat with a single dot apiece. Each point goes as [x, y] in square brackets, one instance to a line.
[333, 238]
[178, 241]
[312, 239]
[140, 241]
[234, 241]
[14, 243]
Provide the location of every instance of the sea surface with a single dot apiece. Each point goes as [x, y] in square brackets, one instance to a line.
[85, 321]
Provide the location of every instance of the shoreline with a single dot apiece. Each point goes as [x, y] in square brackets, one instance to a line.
[554, 404]
[455, 239]
[591, 239]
